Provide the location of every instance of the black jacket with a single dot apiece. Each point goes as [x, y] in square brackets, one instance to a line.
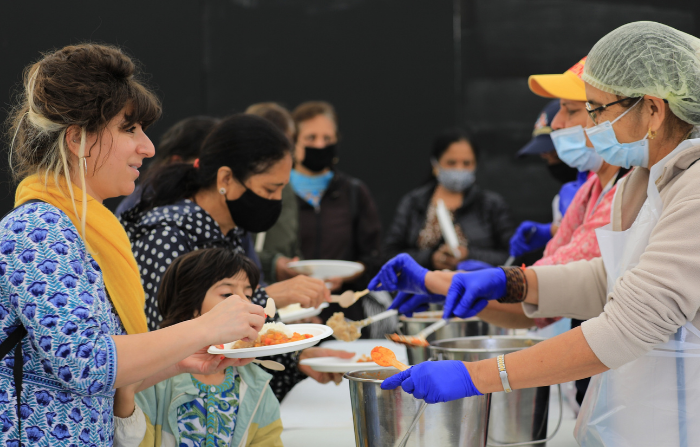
[345, 227]
[484, 218]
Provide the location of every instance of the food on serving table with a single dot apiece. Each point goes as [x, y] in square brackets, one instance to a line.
[364, 359]
[270, 334]
[343, 330]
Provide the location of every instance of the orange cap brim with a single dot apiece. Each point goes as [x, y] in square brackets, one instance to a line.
[563, 86]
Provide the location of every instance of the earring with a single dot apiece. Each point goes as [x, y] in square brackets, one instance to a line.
[651, 134]
[222, 191]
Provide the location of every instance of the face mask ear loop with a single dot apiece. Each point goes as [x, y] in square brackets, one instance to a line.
[627, 111]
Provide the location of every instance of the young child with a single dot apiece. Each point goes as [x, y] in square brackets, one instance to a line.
[233, 407]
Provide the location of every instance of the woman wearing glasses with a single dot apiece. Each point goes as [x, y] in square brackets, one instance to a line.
[642, 340]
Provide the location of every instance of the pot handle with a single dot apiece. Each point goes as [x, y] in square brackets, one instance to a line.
[538, 441]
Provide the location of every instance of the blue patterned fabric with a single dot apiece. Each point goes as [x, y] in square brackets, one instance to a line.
[49, 284]
[210, 418]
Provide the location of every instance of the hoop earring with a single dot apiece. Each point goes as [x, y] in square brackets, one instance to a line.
[222, 191]
[651, 134]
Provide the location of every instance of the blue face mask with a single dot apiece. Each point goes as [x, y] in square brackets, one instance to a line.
[310, 188]
[624, 155]
[571, 148]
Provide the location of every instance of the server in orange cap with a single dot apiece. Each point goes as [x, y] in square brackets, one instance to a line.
[591, 205]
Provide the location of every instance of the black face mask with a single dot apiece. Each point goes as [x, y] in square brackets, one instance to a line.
[562, 172]
[254, 213]
[316, 160]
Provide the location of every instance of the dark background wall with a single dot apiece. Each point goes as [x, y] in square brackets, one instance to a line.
[398, 71]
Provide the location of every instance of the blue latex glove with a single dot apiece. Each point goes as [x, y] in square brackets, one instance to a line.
[435, 382]
[407, 303]
[470, 292]
[472, 265]
[411, 280]
[529, 237]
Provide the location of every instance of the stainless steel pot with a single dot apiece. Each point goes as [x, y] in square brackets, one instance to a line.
[456, 329]
[383, 418]
[519, 417]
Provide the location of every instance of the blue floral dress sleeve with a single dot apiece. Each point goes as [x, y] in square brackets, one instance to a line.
[54, 288]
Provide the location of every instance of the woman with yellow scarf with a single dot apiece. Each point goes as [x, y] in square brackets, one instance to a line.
[72, 324]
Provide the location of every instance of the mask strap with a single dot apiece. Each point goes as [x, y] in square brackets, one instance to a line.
[627, 111]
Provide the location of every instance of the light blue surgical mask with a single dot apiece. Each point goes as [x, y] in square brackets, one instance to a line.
[455, 180]
[571, 148]
[624, 155]
[310, 188]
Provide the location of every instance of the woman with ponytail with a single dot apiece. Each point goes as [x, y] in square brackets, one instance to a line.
[72, 326]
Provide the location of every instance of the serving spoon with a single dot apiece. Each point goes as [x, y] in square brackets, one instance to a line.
[420, 338]
[348, 298]
[385, 357]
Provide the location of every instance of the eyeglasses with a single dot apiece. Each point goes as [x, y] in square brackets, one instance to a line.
[593, 113]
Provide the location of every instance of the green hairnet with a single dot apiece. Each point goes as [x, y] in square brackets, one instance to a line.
[648, 58]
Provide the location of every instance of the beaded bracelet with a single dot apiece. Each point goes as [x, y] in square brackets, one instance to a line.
[516, 285]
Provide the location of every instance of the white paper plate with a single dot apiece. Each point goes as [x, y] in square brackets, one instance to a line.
[319, 332]
[300, 314]
[325, 269]
[337, 365]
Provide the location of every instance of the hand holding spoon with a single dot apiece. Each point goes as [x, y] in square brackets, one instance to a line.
[270, 310]
[386, 357]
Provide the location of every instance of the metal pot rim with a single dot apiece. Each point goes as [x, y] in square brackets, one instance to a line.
[434, 346]
[434, 319]
[361, 379]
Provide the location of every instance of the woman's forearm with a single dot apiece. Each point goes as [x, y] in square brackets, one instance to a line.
[141, 356]
[532, 287]
[560, 359]
[503, 315]
[439, 282]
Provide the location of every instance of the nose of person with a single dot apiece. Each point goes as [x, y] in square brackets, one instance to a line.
[145, 147]
[559, 121]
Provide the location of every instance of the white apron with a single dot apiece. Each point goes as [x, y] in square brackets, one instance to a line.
[654, 400]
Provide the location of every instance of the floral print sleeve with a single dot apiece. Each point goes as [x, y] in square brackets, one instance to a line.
[50, 285]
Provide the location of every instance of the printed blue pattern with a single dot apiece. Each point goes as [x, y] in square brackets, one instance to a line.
[52, 286]
[209, 419]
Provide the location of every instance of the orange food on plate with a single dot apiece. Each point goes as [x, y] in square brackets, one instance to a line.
[364, 359]
[271, 337]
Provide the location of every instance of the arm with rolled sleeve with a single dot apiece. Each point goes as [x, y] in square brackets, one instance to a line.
[57, 292]
[648, 303]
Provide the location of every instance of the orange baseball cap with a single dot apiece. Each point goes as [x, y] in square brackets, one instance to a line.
[567, 85]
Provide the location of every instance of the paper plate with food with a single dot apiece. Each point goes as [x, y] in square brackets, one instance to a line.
[326, 269]
[338, 365]
[295, 312]
[273, 339]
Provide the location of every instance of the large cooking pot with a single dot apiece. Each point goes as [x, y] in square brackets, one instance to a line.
[519, 417]
[457, 328]
[383, 418]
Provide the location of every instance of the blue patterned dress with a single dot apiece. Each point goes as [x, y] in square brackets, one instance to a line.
[49, 284]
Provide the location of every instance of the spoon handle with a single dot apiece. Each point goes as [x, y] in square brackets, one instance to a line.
[375, 318]
[398, 365]
[432, 328]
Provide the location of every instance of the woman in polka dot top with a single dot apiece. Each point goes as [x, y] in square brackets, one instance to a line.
[235, 186]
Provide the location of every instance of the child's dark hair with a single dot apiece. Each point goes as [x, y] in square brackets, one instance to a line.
[189, 277]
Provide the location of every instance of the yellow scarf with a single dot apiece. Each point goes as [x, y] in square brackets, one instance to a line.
[108, 243]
